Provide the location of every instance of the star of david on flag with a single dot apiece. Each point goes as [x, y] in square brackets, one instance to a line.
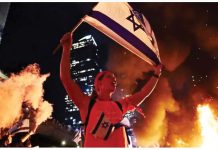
[103, 127]
[127, 27]
[135, 25]
[105, 124]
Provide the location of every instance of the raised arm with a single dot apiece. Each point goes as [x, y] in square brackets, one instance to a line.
[73, 90]
[137, 98]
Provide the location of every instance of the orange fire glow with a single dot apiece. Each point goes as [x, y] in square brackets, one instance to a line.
[209, 126]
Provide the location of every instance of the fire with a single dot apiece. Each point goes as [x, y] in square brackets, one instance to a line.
[209, 127]
[25, 86]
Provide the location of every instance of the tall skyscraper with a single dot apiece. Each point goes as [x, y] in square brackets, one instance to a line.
[85, 65]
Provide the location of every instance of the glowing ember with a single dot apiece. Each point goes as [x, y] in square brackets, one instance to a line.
[209, 127]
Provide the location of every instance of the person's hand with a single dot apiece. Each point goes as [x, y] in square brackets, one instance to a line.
[66, 40]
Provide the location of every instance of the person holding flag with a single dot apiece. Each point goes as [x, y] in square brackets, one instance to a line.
[102, 119]
[101, 116]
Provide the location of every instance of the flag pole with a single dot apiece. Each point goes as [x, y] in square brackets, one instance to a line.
[74, 28]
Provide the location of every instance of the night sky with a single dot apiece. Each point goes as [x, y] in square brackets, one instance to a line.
[186, 33]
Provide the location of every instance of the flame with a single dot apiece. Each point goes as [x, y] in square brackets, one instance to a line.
[25, 86]
[209, 127]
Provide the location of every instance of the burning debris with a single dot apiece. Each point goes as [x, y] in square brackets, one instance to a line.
[21, 98]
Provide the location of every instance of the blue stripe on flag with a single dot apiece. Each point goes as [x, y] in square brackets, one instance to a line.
[125, 34]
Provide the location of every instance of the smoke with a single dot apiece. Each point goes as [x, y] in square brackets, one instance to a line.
[174, 54]
[151, 130]
[184, 30]
[25, 86]
[207, 38]
[127, 68]
[213, 82]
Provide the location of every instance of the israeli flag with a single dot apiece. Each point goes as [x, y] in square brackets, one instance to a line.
[127, 27]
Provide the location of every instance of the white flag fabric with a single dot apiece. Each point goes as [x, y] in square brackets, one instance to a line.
[127, 27]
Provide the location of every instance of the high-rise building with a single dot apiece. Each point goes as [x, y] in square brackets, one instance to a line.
[85, 65]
